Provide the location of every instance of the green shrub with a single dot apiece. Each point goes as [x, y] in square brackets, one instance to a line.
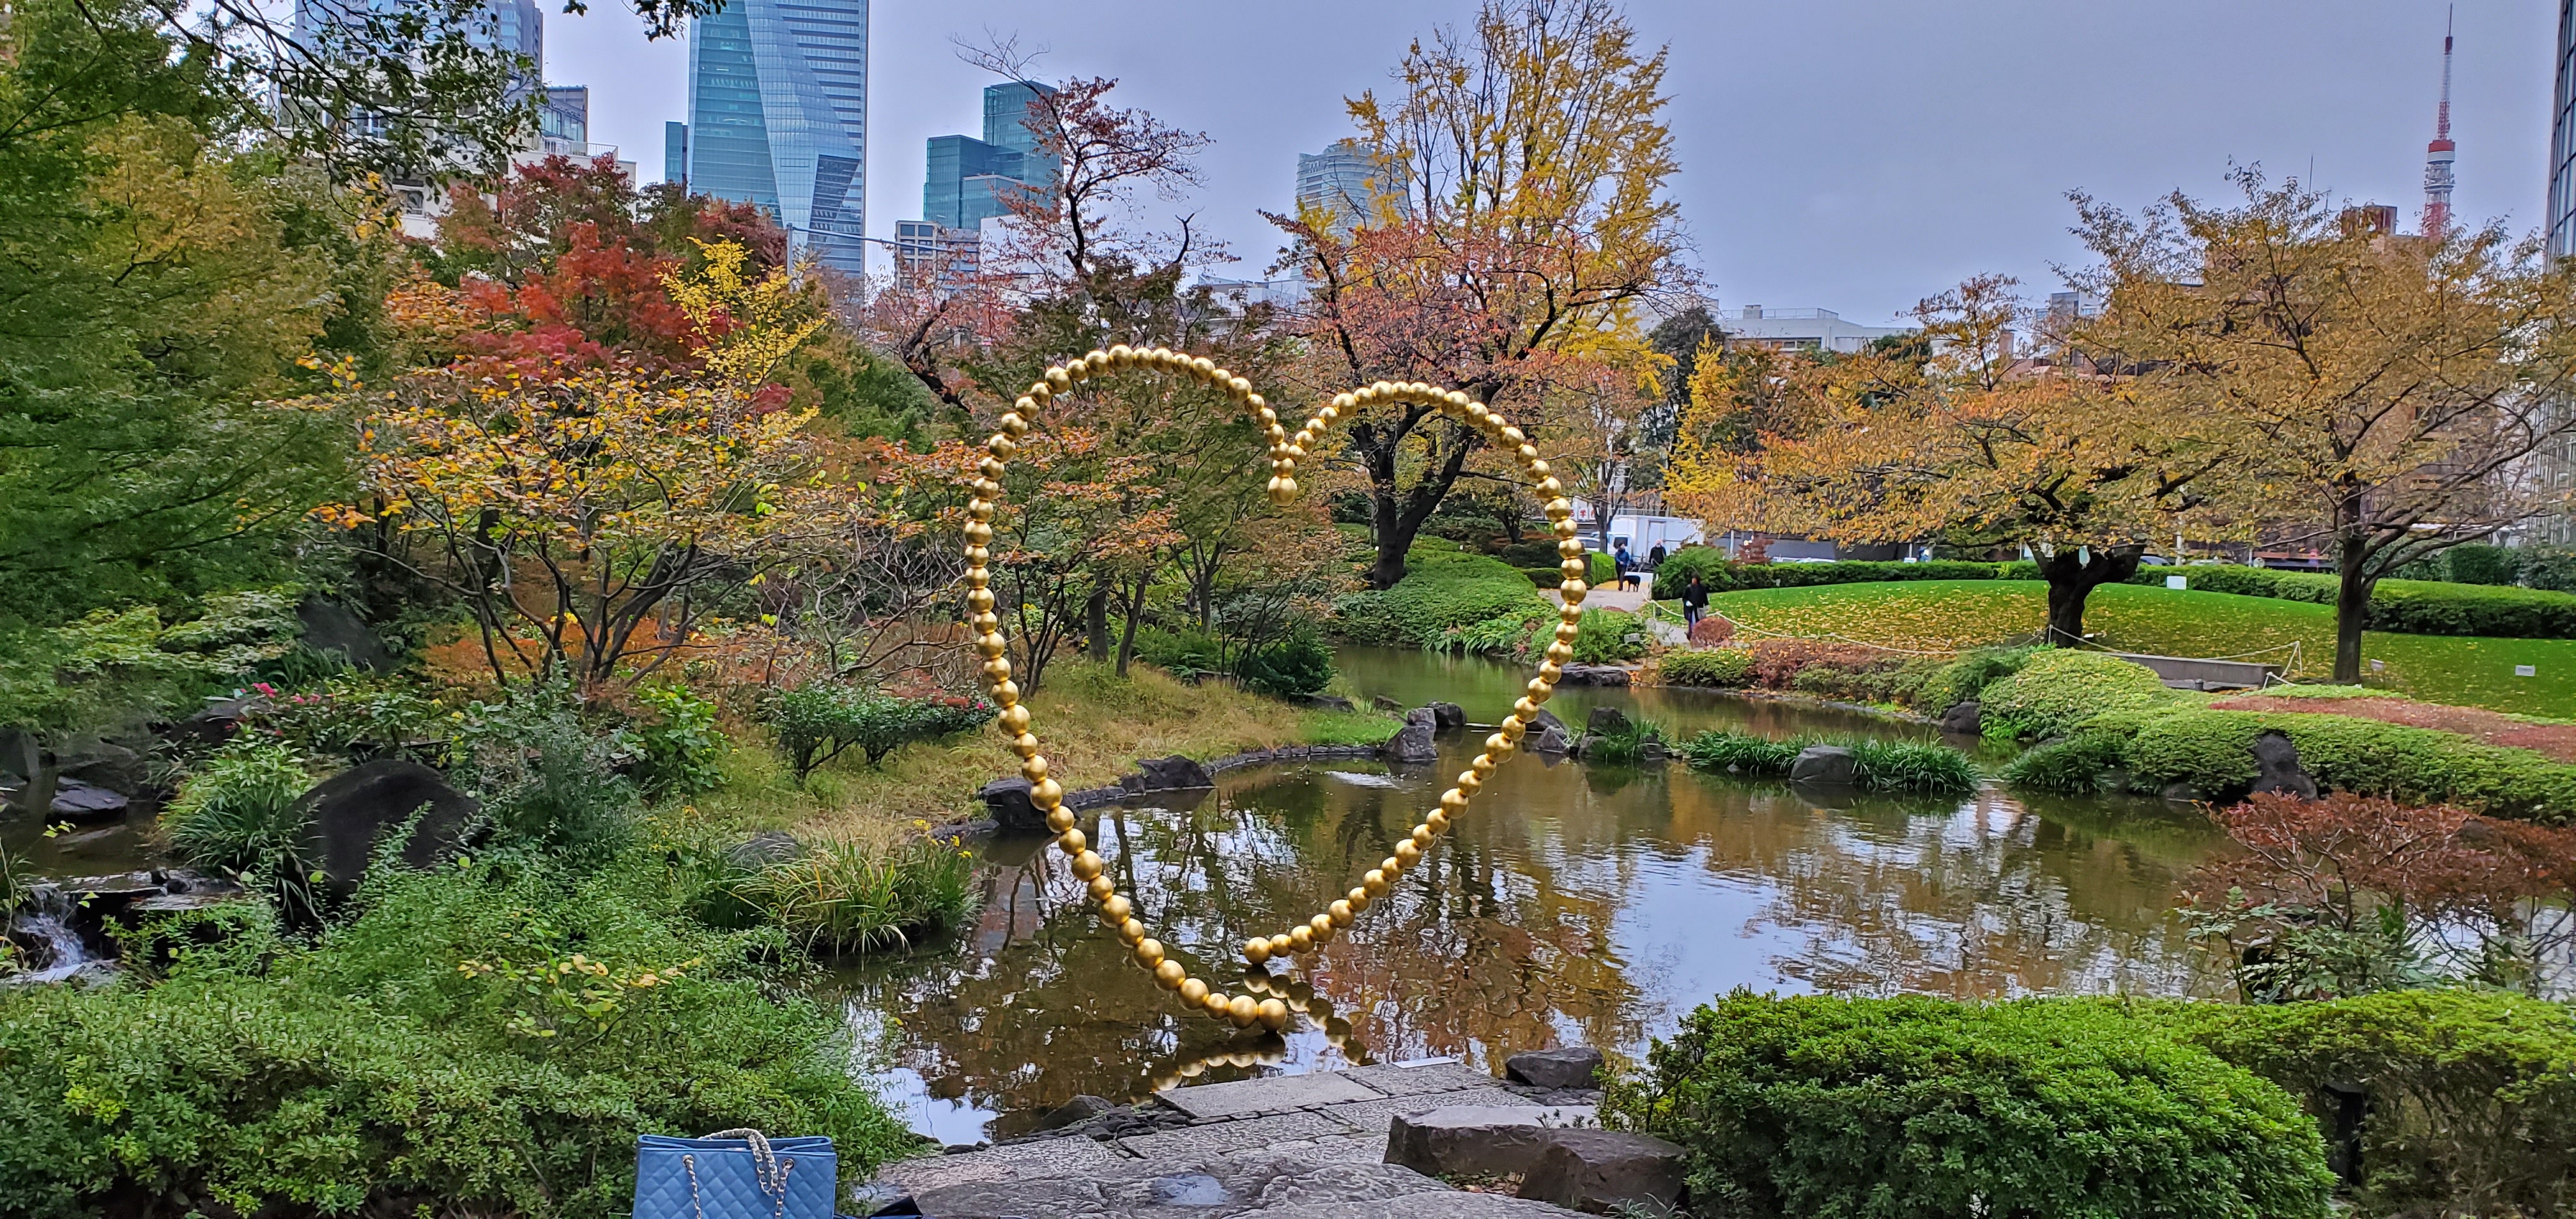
[1624, 745]
[1878, 765]
[823, 719]
[2477, 563]
[852, 897]
[238, 812]
[2411, 607]
[354, 715]
[1603, 637]
[2468, 1097]
[482, 1039]
[1604, 569]
[2058, 689]
[546, 780]
[677, 748]
[1721, 576]
[1544, 577]
[1299, 664]
[1722, 667]
[1443, 590]
[1967, 676]
[1509, 634]
[2082, 763]
[1919, 1108]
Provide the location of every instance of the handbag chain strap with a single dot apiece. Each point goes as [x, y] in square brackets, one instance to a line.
[768, 1171]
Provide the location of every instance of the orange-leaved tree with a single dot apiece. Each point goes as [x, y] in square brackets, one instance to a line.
[1947, 439]
[594, 518]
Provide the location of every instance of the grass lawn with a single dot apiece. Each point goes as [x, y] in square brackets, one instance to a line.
[1092, 724]
[1940, 615]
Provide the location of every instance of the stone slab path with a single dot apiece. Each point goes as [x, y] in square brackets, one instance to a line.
[1285, 1147]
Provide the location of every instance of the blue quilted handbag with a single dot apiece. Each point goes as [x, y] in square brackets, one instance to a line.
[735, 1174]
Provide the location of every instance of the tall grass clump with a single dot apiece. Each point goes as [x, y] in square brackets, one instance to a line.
[848, 896]
[240, 813]
[1622, 745]
[1906, 766]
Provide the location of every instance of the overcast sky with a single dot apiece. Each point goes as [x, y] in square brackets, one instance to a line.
[1854, 155]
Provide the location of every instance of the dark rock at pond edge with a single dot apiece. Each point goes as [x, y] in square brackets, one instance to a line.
[1447, 717]
[1829, 765]
[764, 849]
[1079, 1109]
[1478, 1139]
[1174, 773]
[1547, 736]
[2276, 762]
[217, 722]
[1328, 702]
[1966, 719]
[1606, 719]
[351, 810]
[1604, 1170]
[331, 629]
[103, 764]
[2183, 792]
[1594, 675]
[1013, 813]
[20, 756]
[1414, 742]
[82, 803]
[1574, 1066]
[1383, 703]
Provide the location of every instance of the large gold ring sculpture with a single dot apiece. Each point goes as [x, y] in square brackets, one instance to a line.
[1285, 451]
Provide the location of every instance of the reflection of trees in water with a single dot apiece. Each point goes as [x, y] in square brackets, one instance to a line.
[1529, 925]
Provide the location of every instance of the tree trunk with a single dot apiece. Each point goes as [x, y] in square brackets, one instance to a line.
[2072, 576]
[1396, 516]
[1135, 609]
[2353, 587]
[1095, 619]
[1393, 540]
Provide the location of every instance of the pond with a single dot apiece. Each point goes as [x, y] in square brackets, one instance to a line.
[1572, 904]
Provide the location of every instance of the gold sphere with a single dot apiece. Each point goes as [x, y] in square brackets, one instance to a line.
[1059, 380]
[1407, 853]
[1358, 898]
[1374, 884]
[1121, 355]
[1101, 887]
[1256, 949]
[1273, 1014]
[1072, 842]
[1436, 821]
[1421, 838]
[1281, 945]
[1149, 953]
[1086, 865]
[1344, 402]
[1321, 927]
[1340, 912]
[1059, 819]
[1194, 993]
[1301, 938]
[1453, 800]
[1169, 975]
[1392, 866]
[1115, 908]
[1241, 1010]
[1047, 793]
[1131, 933]
[1214, 1005]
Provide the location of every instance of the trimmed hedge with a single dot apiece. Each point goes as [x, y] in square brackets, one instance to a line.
[1878, 765]
[1714, 667]
[2120, 718]
[1722, 575]
[1602, 637]
[1917, 1108]
[1442, 591]
[2408, 607]
[2468, 1096]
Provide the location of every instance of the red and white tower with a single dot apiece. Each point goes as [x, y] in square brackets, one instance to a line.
[2439, 154]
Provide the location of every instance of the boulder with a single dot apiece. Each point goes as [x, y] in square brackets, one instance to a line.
[1076, 1111]
[1383, 703]
[1414, 742]
[1594, 675]
[20, 754]
[329, 628]
[1830, 765]
[1447, 717]
[1175, 773]
[351, 810]
[764, 849]
[1606, 719]
[1013, 812]
[2276, 762]
[1606, 1170]
[2182, 792]
[217, 722]
[1480, 1138]
[1547, 736]
[1574, 1066]
[103, 764]
[1966, 719]
[80, 802]
[1328, 702]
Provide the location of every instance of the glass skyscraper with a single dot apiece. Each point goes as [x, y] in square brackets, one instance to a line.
[2561, 215]
[968, 177]
[778, 100]
[1341, 181]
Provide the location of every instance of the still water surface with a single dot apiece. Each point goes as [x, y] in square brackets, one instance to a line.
[1572, 904]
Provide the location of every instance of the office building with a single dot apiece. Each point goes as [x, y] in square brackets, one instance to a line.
[563, 127]
[778, 99]
[675, 153]
[969, 179]
[927, 253]
[1808, 329]
[1343, 182]
[2557, 465]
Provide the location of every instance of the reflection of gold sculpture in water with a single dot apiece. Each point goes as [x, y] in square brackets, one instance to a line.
[1301, 999]
[1285, 451]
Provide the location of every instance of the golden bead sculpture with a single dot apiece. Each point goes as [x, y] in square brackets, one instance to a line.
[1117, 912]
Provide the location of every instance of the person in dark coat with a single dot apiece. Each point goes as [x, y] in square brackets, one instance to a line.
[1694, 600]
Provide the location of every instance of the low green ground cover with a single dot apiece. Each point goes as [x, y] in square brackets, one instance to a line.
[1879, 765]
[2116, 725]
[485, 1038]
[1445, 590]
[2415, 607]
[1813, 1106]
[1945, 615]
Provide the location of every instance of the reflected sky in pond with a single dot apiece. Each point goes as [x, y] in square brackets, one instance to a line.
[1573, 903]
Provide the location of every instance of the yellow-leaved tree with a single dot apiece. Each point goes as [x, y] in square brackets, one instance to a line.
[594, 521]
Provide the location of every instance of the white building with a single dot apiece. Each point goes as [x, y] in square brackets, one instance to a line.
[1811, 329]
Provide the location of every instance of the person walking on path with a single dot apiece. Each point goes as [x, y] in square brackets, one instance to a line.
[1655, 557]
[1626, 564]
[1694, 601]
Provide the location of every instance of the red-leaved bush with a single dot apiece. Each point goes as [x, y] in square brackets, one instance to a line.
[1777, 662]
[1711, 631]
